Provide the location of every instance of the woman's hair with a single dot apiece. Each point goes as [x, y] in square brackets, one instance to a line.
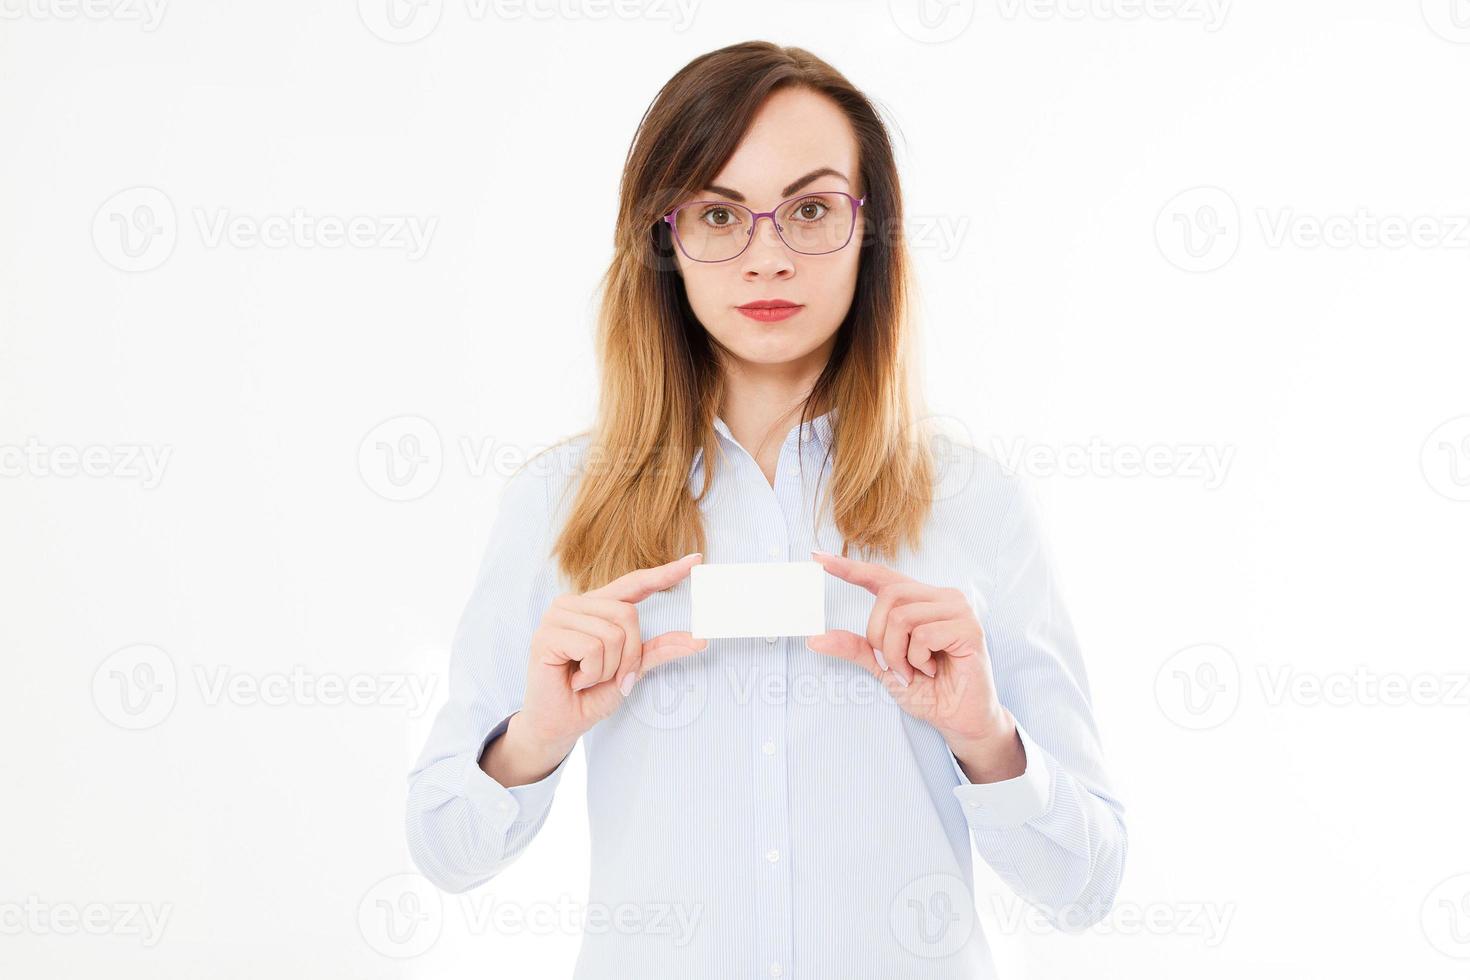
[661, 382]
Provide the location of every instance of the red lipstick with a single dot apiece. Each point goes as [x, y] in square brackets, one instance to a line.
[770, 310]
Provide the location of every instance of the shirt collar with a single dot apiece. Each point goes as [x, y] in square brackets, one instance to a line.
[817, 432]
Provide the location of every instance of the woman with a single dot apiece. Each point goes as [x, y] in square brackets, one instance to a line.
[770, 806]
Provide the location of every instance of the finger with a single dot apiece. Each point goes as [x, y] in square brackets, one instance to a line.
[846, 645]
[640, 583]
[568, 645]
[891, 684]
[610, 635]
[670, 646]
[866, 574]
[922, 648]
[888, 635]
[589, 671]
[624, 615]
[587, 650]
[904, 619]
[948, 636]
[906, 697]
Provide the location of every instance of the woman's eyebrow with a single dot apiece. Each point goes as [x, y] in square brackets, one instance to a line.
[786, 191]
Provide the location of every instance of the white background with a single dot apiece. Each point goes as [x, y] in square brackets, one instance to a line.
[1175, 229]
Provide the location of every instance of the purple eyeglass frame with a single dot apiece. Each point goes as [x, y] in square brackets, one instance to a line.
[756, 216]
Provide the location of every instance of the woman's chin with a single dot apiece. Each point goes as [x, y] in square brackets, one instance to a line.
[770, 343]
[769, 355]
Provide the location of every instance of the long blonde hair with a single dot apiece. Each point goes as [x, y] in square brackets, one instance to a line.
[661, 384]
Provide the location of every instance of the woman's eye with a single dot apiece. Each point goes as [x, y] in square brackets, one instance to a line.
[719, 217]
[811, 210]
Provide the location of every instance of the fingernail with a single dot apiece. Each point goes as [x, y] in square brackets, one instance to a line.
[692, 554]
[881, 661]
[627, 686]
[824, 554]
[929, 670]
[902, 680]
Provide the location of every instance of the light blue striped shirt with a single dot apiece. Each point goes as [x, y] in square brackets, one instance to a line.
[758, 809]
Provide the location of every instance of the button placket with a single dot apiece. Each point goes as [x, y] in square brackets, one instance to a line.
[772, 831]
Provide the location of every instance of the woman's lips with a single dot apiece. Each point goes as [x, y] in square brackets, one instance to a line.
[769, 314]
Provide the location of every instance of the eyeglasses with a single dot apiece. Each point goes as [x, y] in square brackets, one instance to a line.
[812, 224]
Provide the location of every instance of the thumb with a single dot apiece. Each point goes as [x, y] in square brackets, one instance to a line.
[846, 645]
[660, 650]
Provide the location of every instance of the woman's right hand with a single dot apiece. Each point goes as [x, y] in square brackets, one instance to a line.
[588, 652]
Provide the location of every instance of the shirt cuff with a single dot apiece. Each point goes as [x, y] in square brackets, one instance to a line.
[500, 804]
[1011, 802]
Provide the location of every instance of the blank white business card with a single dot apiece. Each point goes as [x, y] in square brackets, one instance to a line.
[783, 598]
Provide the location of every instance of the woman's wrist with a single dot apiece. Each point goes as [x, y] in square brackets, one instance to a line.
[519, 757]
[993, 756]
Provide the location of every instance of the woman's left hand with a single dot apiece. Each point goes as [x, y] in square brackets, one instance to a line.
[925, 645]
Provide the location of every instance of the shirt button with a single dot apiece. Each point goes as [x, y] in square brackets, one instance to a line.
[770, 639]
[775, 969]
[502, 805]
[769, 748]
[773, 855]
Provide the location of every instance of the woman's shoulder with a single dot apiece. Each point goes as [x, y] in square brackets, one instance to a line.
[984, 509]
[974, 480]
[545, 478]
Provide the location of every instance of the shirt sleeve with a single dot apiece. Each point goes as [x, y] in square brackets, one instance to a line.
[1055, 834]
[463, 826]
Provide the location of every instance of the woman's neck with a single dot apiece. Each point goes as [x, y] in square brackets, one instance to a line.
[761, 409]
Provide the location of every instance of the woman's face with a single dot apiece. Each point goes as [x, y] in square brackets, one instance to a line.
[795, 135]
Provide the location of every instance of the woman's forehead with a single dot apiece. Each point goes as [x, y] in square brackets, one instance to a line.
[794, 134]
